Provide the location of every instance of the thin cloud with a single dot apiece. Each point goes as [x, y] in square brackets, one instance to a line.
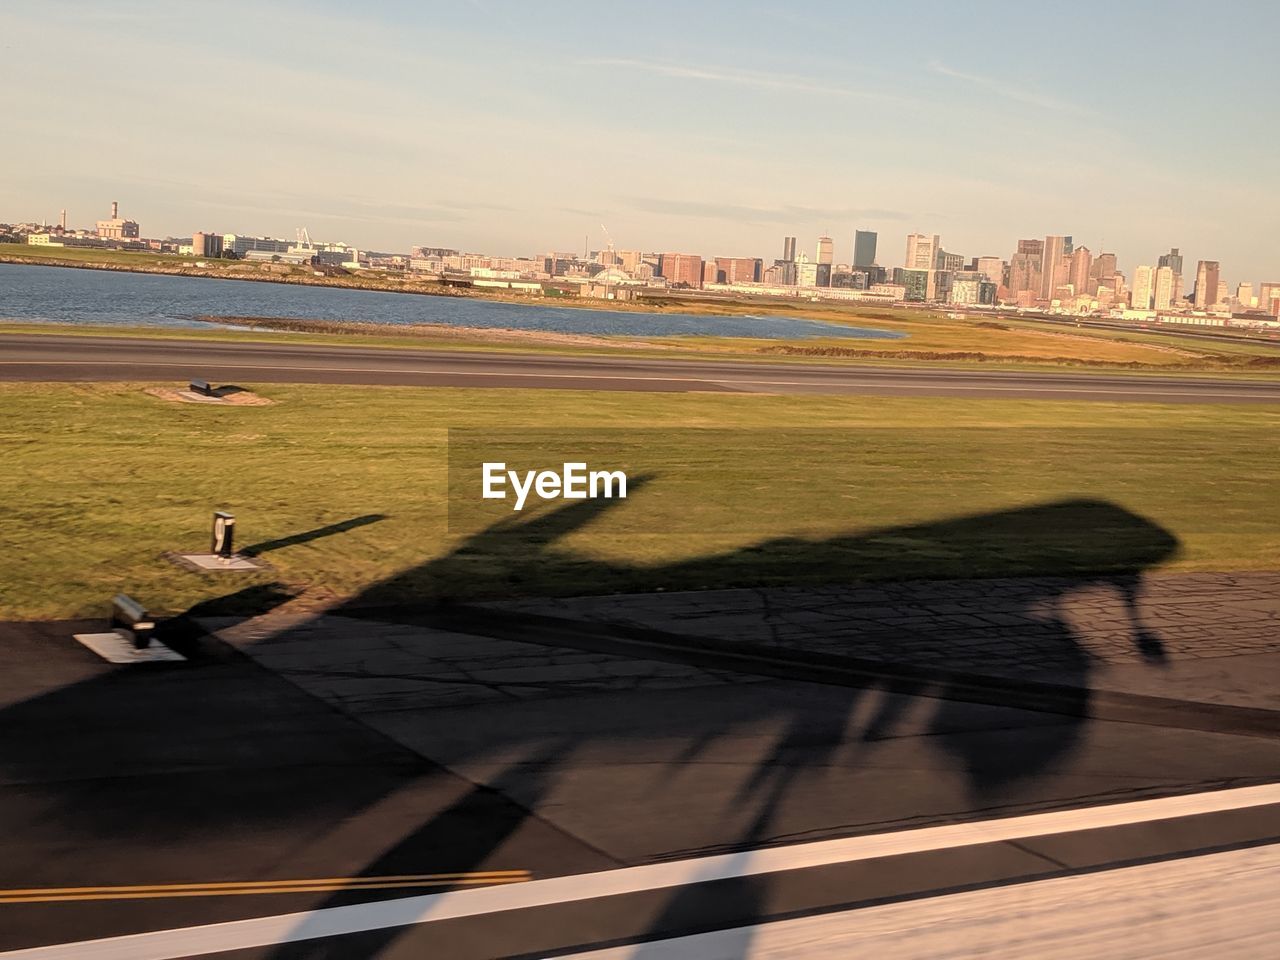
[1010, 91]
[742, 78]
[742, 214]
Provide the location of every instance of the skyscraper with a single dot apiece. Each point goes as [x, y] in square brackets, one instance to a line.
[1024, 268]
[789, 249]
[682, 269]
[1142, 283]
[948, 261]
[1055, 252]
[1206, 284]
[1104, 266]
[1164, 287]
[1081, 262]
[990, 267]
[824, 259]
[864, 248]
[1172, 259]
[922, 251]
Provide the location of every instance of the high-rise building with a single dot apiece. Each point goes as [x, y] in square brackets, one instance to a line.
[864, 248]
[781, 274]
[1269, 297]
[824, 259]
[990, 267]
[1024, 274]
[1081, 263]
[952, 262]
[1206, 284]
[971, 288]
[1143, 278]
[1164, 287]
[789, 249]
[922, 251]
[1172, 259]
[1051, 265]
[806, 271]
[1221, 293]
[917, 283]
[1104, 266]
[739, 269]
[681, 269]
[1244, 295]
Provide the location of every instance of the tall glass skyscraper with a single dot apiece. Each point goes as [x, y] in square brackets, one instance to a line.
[1172, 260]
[864, 248]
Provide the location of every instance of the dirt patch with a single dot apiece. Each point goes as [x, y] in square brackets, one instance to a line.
[229, 395]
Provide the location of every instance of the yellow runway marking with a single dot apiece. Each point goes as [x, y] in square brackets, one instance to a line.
[262, 887]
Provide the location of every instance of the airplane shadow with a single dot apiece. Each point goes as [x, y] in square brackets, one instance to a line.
[1096, 542]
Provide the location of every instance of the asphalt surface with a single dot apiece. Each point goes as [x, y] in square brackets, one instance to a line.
[339, 748]
[51, 357]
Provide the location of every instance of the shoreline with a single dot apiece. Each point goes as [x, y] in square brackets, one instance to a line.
[661, 305]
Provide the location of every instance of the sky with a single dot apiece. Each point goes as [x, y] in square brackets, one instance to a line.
[713, 128]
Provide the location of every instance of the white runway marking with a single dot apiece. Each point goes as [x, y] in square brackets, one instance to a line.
[357, 918]
[1222, 905]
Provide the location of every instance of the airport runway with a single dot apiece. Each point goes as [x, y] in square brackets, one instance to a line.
[539, 800]
[52, 357]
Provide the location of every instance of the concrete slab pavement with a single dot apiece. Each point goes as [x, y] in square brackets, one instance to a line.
[1202, 637]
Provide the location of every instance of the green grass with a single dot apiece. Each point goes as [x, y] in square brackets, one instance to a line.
[101, 480]
[83, 256]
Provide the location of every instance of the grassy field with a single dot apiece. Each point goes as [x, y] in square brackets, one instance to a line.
[347, 492]
[90, 256]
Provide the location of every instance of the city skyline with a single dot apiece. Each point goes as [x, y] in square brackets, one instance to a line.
[923, 252]
[479, 127]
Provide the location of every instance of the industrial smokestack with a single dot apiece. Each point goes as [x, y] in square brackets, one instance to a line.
[64, 219]
[115, 210]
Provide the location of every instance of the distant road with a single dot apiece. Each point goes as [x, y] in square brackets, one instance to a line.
[54, 357]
